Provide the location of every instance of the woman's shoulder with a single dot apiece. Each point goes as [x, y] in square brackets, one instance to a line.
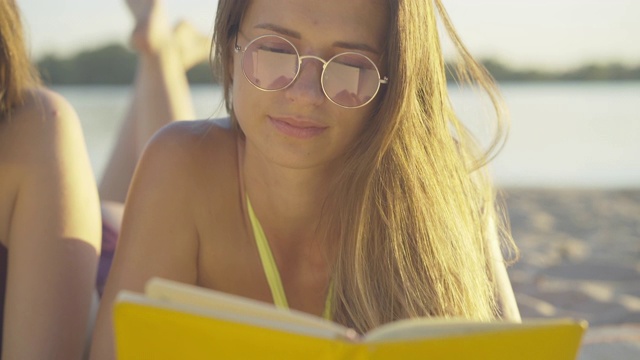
[42, 152]
[44, 106]
[198, 130]
[43, 125]
[42, 116]
[190, 167]
[188, 148]
[194, 140]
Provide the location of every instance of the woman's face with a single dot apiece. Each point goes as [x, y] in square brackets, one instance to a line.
[299, 127]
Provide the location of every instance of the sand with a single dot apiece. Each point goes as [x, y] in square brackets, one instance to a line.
[580, 258]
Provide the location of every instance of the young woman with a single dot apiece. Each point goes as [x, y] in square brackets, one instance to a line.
[345, 187]
[49, 212]
[46, 277]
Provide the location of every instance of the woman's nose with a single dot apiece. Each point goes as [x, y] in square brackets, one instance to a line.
[307, 86]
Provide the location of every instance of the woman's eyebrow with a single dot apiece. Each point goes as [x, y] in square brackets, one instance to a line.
[356, 46]
[279, 29]
[296, 35]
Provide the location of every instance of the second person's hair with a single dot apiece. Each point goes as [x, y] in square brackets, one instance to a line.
[17, 74]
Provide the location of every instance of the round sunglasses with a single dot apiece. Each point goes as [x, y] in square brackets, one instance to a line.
[348, 79]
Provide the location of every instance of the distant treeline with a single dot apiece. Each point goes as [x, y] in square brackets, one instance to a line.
[115, 64]
[112, 64]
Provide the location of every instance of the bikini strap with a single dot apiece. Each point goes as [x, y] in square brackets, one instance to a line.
[271, 268]
[268, 262]
[328, 307]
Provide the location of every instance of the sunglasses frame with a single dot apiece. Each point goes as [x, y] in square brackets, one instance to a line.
[237, 49]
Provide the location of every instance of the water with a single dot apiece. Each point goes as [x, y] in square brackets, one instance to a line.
[102, 110]
[562, 134]
[567, 134]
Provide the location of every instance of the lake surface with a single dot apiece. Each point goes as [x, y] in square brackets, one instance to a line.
[562, 134]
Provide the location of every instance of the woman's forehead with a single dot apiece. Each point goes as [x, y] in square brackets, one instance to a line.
[334, 20]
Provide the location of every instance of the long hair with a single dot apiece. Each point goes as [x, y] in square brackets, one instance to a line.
[17, 74]
[412, 211]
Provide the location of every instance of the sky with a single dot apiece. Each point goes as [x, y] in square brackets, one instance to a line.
[546, 34]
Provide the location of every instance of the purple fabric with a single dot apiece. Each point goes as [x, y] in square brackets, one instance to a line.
[109, 241]
[3, 287]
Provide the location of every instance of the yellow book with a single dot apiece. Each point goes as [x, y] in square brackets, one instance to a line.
[178, 321]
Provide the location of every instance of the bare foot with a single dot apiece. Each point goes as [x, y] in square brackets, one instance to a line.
[192, 46]
[151, 31]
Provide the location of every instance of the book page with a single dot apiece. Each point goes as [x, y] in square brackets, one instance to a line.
[410, 329]
[237, 308]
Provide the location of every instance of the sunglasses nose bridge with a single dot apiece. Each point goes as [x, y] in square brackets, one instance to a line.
[307, 85]
[301, 67]
[300, 62]
[324, 63]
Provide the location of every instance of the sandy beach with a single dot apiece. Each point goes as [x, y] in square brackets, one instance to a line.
[580, 258]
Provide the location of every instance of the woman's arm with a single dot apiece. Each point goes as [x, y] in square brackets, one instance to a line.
[54, 237]
[158, 236]
[505, 297]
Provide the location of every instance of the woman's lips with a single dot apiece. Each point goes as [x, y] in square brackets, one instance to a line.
[301, 129]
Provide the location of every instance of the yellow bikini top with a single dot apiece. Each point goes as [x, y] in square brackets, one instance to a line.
[271, 269]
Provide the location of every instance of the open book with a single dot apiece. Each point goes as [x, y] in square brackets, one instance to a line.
[178, 321]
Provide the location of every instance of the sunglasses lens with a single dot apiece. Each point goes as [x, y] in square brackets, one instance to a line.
[270, 63]
[351, 80]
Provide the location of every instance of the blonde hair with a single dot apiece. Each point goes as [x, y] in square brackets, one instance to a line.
[17, 74]
[413, 211]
